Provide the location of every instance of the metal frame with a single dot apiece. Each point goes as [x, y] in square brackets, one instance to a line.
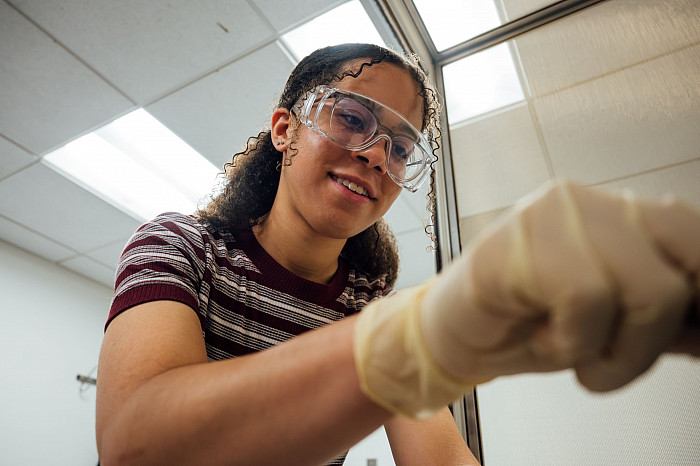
[408, 31]
[512, 29]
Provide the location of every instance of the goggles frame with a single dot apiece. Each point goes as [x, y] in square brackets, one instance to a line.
[303, 109]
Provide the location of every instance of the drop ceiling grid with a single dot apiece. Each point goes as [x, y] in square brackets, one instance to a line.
[217, 114]
[565, 63]
[61, 87]
[32, 241]
[58, 87]
[153, 47]
[681, 180]
[44, 201]
[14, 158]
[604, 39]
[639, 119]
[47, 95]
[497, 160]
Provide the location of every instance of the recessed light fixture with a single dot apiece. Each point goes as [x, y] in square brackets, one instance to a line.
[481, 83]
[450, 22]
[138, 165]
[347, 23]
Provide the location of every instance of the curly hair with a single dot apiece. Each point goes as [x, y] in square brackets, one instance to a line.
[248, 190]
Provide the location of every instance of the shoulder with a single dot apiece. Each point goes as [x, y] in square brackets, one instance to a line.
[173, 228]
[174, 223]
[169, 233]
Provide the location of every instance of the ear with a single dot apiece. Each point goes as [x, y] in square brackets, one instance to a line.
[280, 128]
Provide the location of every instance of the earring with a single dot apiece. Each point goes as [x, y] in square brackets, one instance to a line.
[279, 143]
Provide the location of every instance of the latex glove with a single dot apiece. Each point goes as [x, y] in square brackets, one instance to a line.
[572, 277]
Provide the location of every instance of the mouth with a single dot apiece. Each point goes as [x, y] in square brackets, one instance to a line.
[352, 186]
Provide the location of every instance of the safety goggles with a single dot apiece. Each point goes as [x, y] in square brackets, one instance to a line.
[354, 121]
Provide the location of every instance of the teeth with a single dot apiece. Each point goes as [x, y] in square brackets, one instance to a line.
[351, 186]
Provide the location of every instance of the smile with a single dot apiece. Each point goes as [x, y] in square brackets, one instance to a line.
[351, 186]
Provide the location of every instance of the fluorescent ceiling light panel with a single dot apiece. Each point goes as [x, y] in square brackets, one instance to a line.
[138, 165]
[451, 22]
[481, 83]
[347, 23]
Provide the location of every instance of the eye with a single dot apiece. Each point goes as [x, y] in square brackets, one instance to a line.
[353, 122]
[350, 116]
[401, 149]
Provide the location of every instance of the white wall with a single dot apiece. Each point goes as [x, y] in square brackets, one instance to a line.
[374, 446]
[51, 330]
[549, 419]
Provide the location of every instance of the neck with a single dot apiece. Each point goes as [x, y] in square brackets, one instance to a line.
[298, 249]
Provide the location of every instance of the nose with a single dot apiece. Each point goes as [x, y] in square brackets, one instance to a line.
[375, 154]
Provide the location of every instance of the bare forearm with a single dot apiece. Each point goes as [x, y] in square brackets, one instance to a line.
[430, 441]
[297, 403]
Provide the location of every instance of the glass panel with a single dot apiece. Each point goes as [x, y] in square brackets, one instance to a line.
[610, 98]
[481, 83]
[450, 22]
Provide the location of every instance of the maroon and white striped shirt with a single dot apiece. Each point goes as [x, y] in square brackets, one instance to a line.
[245, 300]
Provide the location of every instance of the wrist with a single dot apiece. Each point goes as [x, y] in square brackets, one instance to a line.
[395, 367]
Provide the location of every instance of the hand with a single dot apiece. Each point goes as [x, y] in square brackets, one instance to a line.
[572, 277]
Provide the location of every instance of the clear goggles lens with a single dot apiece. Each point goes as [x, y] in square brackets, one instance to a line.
[356, 122]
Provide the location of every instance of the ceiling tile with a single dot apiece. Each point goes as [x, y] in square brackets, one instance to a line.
[514, 9]
[108, 255]
[12, 158]
[33, 242]
[496, 160]
[638, 119]
[285, 15]
[604, 38]
[91, 269]
[417, 263]
[47, 96]
[149, 48]
[216, 115]
[680, 180]
[66, 212]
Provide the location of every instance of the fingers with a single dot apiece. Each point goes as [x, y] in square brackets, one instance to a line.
[615, 300]
[653, 292]
[571, 281]
[637, 343]
[573, 277]
[674, 227]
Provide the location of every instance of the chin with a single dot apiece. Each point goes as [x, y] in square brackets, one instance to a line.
[337, 230]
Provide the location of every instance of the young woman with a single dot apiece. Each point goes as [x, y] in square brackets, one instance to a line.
[294, 241]
[208, 358]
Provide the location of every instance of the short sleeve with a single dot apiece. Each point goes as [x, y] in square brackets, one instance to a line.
[164, 260]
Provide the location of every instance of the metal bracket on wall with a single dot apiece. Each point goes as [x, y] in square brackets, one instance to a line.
[86, 379]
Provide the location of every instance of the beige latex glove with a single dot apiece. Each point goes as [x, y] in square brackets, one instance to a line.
[570, 278]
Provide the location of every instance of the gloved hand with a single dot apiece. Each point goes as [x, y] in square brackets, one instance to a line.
[572, 277]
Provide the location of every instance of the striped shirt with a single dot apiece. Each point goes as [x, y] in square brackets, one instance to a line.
[245, 300]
